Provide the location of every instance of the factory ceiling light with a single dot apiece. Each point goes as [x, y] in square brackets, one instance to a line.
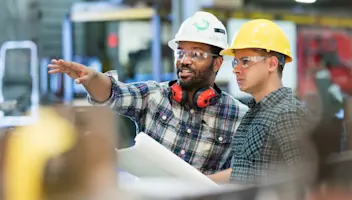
[305, 1]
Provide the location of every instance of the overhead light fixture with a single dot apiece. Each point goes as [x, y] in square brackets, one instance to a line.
[305, 1]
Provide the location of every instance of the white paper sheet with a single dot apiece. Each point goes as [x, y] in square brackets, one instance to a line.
[148, 158]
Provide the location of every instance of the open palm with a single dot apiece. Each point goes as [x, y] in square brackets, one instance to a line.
[81, 74]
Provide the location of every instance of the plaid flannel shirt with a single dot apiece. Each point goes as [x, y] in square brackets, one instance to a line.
[273, 134]
[201, 137]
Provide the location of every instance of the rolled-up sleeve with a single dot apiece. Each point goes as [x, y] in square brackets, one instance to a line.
[128, 99]
[110, 101]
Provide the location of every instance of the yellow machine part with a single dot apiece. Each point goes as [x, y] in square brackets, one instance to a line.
[28, 150]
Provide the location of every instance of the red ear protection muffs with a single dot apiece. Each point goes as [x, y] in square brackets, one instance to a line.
[202, 98]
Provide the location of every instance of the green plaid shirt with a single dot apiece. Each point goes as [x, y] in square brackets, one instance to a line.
[201, 137]
[273, 134]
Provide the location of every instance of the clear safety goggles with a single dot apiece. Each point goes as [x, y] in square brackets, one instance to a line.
[248, 61]
[195, 55]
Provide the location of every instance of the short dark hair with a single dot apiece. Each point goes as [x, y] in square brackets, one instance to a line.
[215, 50]
[279, 56]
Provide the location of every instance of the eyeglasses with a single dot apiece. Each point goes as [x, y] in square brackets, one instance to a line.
[246, 62]
[194, 55]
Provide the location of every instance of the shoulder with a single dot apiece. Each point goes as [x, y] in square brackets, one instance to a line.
[150, 85]
[291, 107]
[146, 88]
[164, 85]
[288, 106]
[233, 103]
[292, 115]
[227, 98]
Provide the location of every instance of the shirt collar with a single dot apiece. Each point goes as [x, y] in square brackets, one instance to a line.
[271, 99]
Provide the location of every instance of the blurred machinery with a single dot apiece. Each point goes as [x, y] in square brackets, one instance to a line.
[139, 63]
[49, 83]
[19, 86]
[324, 74]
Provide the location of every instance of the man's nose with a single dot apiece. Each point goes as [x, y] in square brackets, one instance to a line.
[186, 60]
[237, 69]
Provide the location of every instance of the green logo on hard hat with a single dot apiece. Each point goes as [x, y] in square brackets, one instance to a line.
[204, 25]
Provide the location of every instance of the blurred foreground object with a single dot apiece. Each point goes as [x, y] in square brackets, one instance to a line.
[67, 154]
[335, 179]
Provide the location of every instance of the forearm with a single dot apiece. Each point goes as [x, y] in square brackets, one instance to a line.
[99, 87]
[221, 177]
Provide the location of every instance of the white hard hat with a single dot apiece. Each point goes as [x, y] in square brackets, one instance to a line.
[202, 27]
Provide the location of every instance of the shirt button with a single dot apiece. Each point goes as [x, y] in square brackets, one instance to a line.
[192, 111]
[220, 139]
[189, 131]
[183, 152]
[163, 117]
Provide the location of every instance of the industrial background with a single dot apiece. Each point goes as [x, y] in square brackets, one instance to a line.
[130, 36]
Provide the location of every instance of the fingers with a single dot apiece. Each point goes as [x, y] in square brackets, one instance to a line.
[66, 64]
[57, 69]
[73, 69]
[54, 71]
[82, 80]
[77, 67]
[54, 66]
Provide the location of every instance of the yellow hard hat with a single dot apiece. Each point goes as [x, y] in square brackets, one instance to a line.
[260, 34]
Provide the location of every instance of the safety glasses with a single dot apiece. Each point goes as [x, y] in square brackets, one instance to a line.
[195, 55]
[248, 61]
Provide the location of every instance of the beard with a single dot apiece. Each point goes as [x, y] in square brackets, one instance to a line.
[198, 80]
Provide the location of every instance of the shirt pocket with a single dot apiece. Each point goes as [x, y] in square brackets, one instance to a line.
[254, 141]
[167, 126]
[218, 137]
[216, 146]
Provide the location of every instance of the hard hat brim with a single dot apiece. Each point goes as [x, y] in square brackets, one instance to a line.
[174, 43]
[227, 52]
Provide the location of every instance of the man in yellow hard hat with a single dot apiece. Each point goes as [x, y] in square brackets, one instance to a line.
[273, 133]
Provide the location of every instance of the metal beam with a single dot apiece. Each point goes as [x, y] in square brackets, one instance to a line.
[177, 15]
[67, 52]
[112, 15]
[189, 8]
[156, 46]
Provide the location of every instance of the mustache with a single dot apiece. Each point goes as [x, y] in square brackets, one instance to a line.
[184, 67]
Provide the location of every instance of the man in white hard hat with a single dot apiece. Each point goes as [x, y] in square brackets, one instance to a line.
[190, 116]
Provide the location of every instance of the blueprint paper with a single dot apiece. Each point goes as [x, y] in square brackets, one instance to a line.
[148, 158]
